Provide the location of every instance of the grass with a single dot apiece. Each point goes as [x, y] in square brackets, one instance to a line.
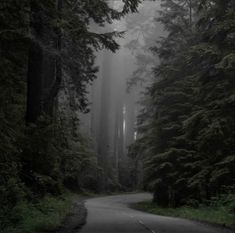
[43, 216]
[211, 214]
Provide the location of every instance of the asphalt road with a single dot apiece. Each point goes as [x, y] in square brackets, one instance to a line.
[112, 215]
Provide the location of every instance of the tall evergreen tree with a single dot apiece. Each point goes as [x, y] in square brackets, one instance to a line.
[41, 44]
[188, 131]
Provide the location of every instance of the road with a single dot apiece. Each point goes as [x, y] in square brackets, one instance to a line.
[112, 215]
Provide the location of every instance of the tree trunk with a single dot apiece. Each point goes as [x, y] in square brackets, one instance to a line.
[53, 67]
[44, 68]
[35, 64]
[104, 137]
[190, 14]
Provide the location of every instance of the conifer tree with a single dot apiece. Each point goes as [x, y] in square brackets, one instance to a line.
[187, 127]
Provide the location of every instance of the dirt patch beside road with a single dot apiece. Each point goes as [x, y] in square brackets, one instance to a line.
[75, 219]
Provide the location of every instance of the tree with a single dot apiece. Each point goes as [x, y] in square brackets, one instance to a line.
[13, 65]
[187, 127]
[42, 43]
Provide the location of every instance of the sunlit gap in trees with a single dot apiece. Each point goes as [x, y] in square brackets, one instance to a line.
[135, 135]
[124, 120]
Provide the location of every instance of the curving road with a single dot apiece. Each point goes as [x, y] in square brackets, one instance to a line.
[112, 215]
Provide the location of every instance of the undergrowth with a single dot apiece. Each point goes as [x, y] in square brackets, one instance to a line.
[218, 211]
[42, 216]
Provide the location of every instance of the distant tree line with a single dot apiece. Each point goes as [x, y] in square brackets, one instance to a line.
[187, 128]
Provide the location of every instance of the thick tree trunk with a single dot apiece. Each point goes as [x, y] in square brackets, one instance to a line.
[104, 137]
[53, 70]
[35, 66]
[190, 14]
[44, 68]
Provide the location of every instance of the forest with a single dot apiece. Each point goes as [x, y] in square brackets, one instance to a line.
[170, 131]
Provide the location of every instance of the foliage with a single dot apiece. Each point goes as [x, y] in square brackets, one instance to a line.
[41, 43]
[187, 127]
[12, 101]
[44, 215]
[217, 212]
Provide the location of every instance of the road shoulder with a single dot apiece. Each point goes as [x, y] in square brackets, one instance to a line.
[181, 213]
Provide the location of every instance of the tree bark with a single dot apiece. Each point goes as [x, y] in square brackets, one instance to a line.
[35, 64]
[53, 78]
[44, 67]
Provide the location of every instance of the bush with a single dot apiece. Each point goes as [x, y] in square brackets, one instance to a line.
[43, 215]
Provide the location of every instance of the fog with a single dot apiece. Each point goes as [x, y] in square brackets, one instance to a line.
[128, 97]
[114, 104]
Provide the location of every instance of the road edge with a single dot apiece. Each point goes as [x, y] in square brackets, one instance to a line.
[76, 218]
[222, 227]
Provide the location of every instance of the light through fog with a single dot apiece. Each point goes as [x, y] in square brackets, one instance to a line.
[111, 122]
[96, 98]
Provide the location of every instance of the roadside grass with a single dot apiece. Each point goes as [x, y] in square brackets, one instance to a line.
[46, 215]
[220, 215]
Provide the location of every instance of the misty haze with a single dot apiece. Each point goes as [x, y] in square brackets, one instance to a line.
[117, 116]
